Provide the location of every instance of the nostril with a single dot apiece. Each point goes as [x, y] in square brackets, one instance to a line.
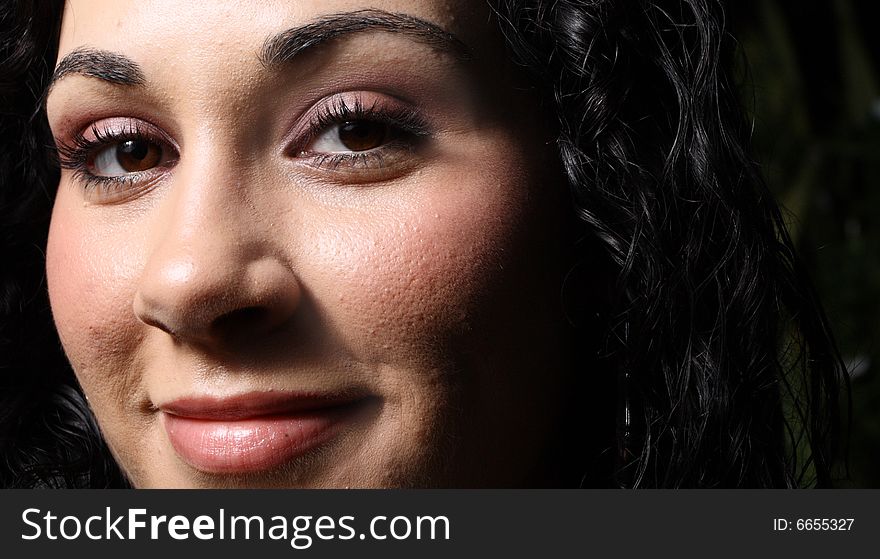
[235, 302]
[247, 319]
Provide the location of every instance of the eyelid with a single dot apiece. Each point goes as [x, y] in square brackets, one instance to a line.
[105, 131]
[377, 106]
[117, 128]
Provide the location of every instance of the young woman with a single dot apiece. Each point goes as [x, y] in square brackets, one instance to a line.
[388, 243]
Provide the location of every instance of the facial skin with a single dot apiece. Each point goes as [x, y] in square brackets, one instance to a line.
[252, 255]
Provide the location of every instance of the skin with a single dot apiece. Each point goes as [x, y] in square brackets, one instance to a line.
[430, 283]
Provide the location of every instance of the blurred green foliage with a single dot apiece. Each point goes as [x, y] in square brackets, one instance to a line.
[814, 90]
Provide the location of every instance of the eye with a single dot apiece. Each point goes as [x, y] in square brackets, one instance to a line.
[351, 136]
[362, 138]
[126, 156]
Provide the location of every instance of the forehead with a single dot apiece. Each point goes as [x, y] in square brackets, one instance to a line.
[175, 29]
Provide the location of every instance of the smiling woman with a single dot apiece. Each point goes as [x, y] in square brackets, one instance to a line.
[387, 243]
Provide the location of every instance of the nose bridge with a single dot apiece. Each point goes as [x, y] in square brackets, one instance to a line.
[200, 230]
[209, 257]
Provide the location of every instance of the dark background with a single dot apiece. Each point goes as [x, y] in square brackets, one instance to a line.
[812, 84]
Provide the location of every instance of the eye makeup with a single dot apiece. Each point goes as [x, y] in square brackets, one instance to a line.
[373, 133]
[351, 137]
[92, 153]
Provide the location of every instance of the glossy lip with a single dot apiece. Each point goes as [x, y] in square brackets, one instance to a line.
[254, 432]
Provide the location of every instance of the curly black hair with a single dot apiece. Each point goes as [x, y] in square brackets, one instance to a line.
[724, 369]
[726, 363]
[48, 435]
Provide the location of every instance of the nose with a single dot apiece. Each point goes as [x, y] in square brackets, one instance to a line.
[213, 274]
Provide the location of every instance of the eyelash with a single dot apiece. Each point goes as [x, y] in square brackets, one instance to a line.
[410, 129]
[76, 154]
[408, 125]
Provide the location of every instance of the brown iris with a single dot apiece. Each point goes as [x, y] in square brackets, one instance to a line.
[138, 155]
[362, 135]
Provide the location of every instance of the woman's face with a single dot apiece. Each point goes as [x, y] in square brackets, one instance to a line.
[299, 244]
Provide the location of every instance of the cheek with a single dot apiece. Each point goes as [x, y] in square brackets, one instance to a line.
[449, 291]
[90, 291]
[409, 277]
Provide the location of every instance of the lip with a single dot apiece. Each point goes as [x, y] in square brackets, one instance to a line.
[257, 431]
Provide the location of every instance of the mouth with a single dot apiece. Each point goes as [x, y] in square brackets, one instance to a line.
[257, 431]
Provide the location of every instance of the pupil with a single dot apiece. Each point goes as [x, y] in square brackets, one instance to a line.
[134, 149]
[361, 135]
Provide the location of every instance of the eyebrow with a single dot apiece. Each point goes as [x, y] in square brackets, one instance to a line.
[286, 45]
[105, 65]
[280, 48]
